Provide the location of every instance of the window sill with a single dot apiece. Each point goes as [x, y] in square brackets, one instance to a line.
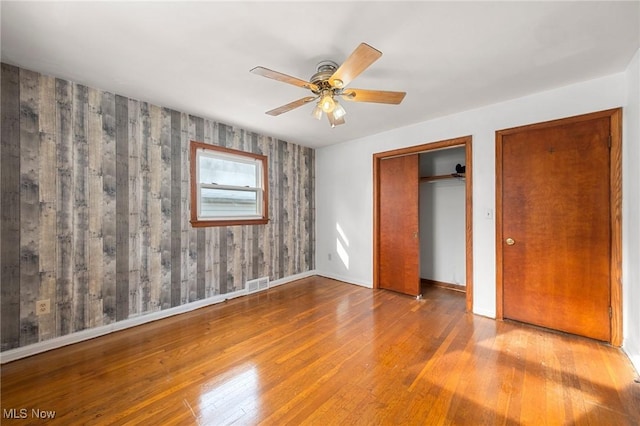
[227, 222]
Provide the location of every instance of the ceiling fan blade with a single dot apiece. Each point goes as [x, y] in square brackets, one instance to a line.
[358, 61]
[291, 105]
[266, 72]
[335, 121]
[379, 96]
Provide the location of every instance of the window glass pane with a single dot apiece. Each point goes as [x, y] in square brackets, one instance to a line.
[227, 202]
[227, 172]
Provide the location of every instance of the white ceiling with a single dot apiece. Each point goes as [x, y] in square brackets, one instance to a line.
[195, 57]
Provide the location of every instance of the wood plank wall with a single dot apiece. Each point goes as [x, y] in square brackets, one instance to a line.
[95, 210]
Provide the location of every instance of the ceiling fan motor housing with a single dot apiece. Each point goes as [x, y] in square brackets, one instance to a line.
[324, 70]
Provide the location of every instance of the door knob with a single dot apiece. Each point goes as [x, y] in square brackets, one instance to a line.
[510, 241]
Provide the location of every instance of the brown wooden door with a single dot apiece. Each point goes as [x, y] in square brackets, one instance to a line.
[399, 252]
[556, 240]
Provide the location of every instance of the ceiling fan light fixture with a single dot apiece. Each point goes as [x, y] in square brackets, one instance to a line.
[339, 111]
[333, 120]
[317, 112]
[327, 103]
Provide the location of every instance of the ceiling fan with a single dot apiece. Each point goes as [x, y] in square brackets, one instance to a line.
[330, 81]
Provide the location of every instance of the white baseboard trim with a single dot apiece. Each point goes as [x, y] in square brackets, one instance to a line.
[80, 336]
[291, 278]
[344, 279]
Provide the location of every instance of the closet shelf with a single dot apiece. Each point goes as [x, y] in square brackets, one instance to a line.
[442, 177]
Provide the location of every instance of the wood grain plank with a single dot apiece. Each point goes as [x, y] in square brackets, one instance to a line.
[188, 234]
[216, 231]
[166, 198]
[269, 249]
[231, 259]
[201, 258]
[29, 206]
[255, 230]
[234, 258]
[209, 280]
[47, 180]
[207, 131]
[533, 386]
[223, 232]
[109, 185]
[282, 186]
[215, 260]
[239, 248]
[10, 207]
[310, 218]
[122, 207]
[557, 403]
[223, 275]
[618, 370]
[288, 205]
[171, 226]
[135, 300]
[302, 206]
[223, 133]
[302, 211]
[159, 256]
[208, 252]
[80, 228]
[145, 190]
[174, 164]
[95, 240]
[64, 226]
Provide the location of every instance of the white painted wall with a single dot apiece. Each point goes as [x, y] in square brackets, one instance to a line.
[631, 214]
[442, 218]
[344, 178]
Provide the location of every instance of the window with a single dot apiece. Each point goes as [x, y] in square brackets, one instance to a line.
[228, 187]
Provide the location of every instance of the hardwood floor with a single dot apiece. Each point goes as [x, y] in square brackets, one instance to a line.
[322, 352]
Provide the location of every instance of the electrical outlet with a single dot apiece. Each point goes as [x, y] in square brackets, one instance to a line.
[43, 307]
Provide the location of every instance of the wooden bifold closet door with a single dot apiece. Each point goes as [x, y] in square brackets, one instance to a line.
[399, 225]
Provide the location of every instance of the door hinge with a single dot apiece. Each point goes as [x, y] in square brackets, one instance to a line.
[610, 312]
[609, 142]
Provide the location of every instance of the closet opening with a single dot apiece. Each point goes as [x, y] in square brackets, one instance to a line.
[442, 218]
[412, 245]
